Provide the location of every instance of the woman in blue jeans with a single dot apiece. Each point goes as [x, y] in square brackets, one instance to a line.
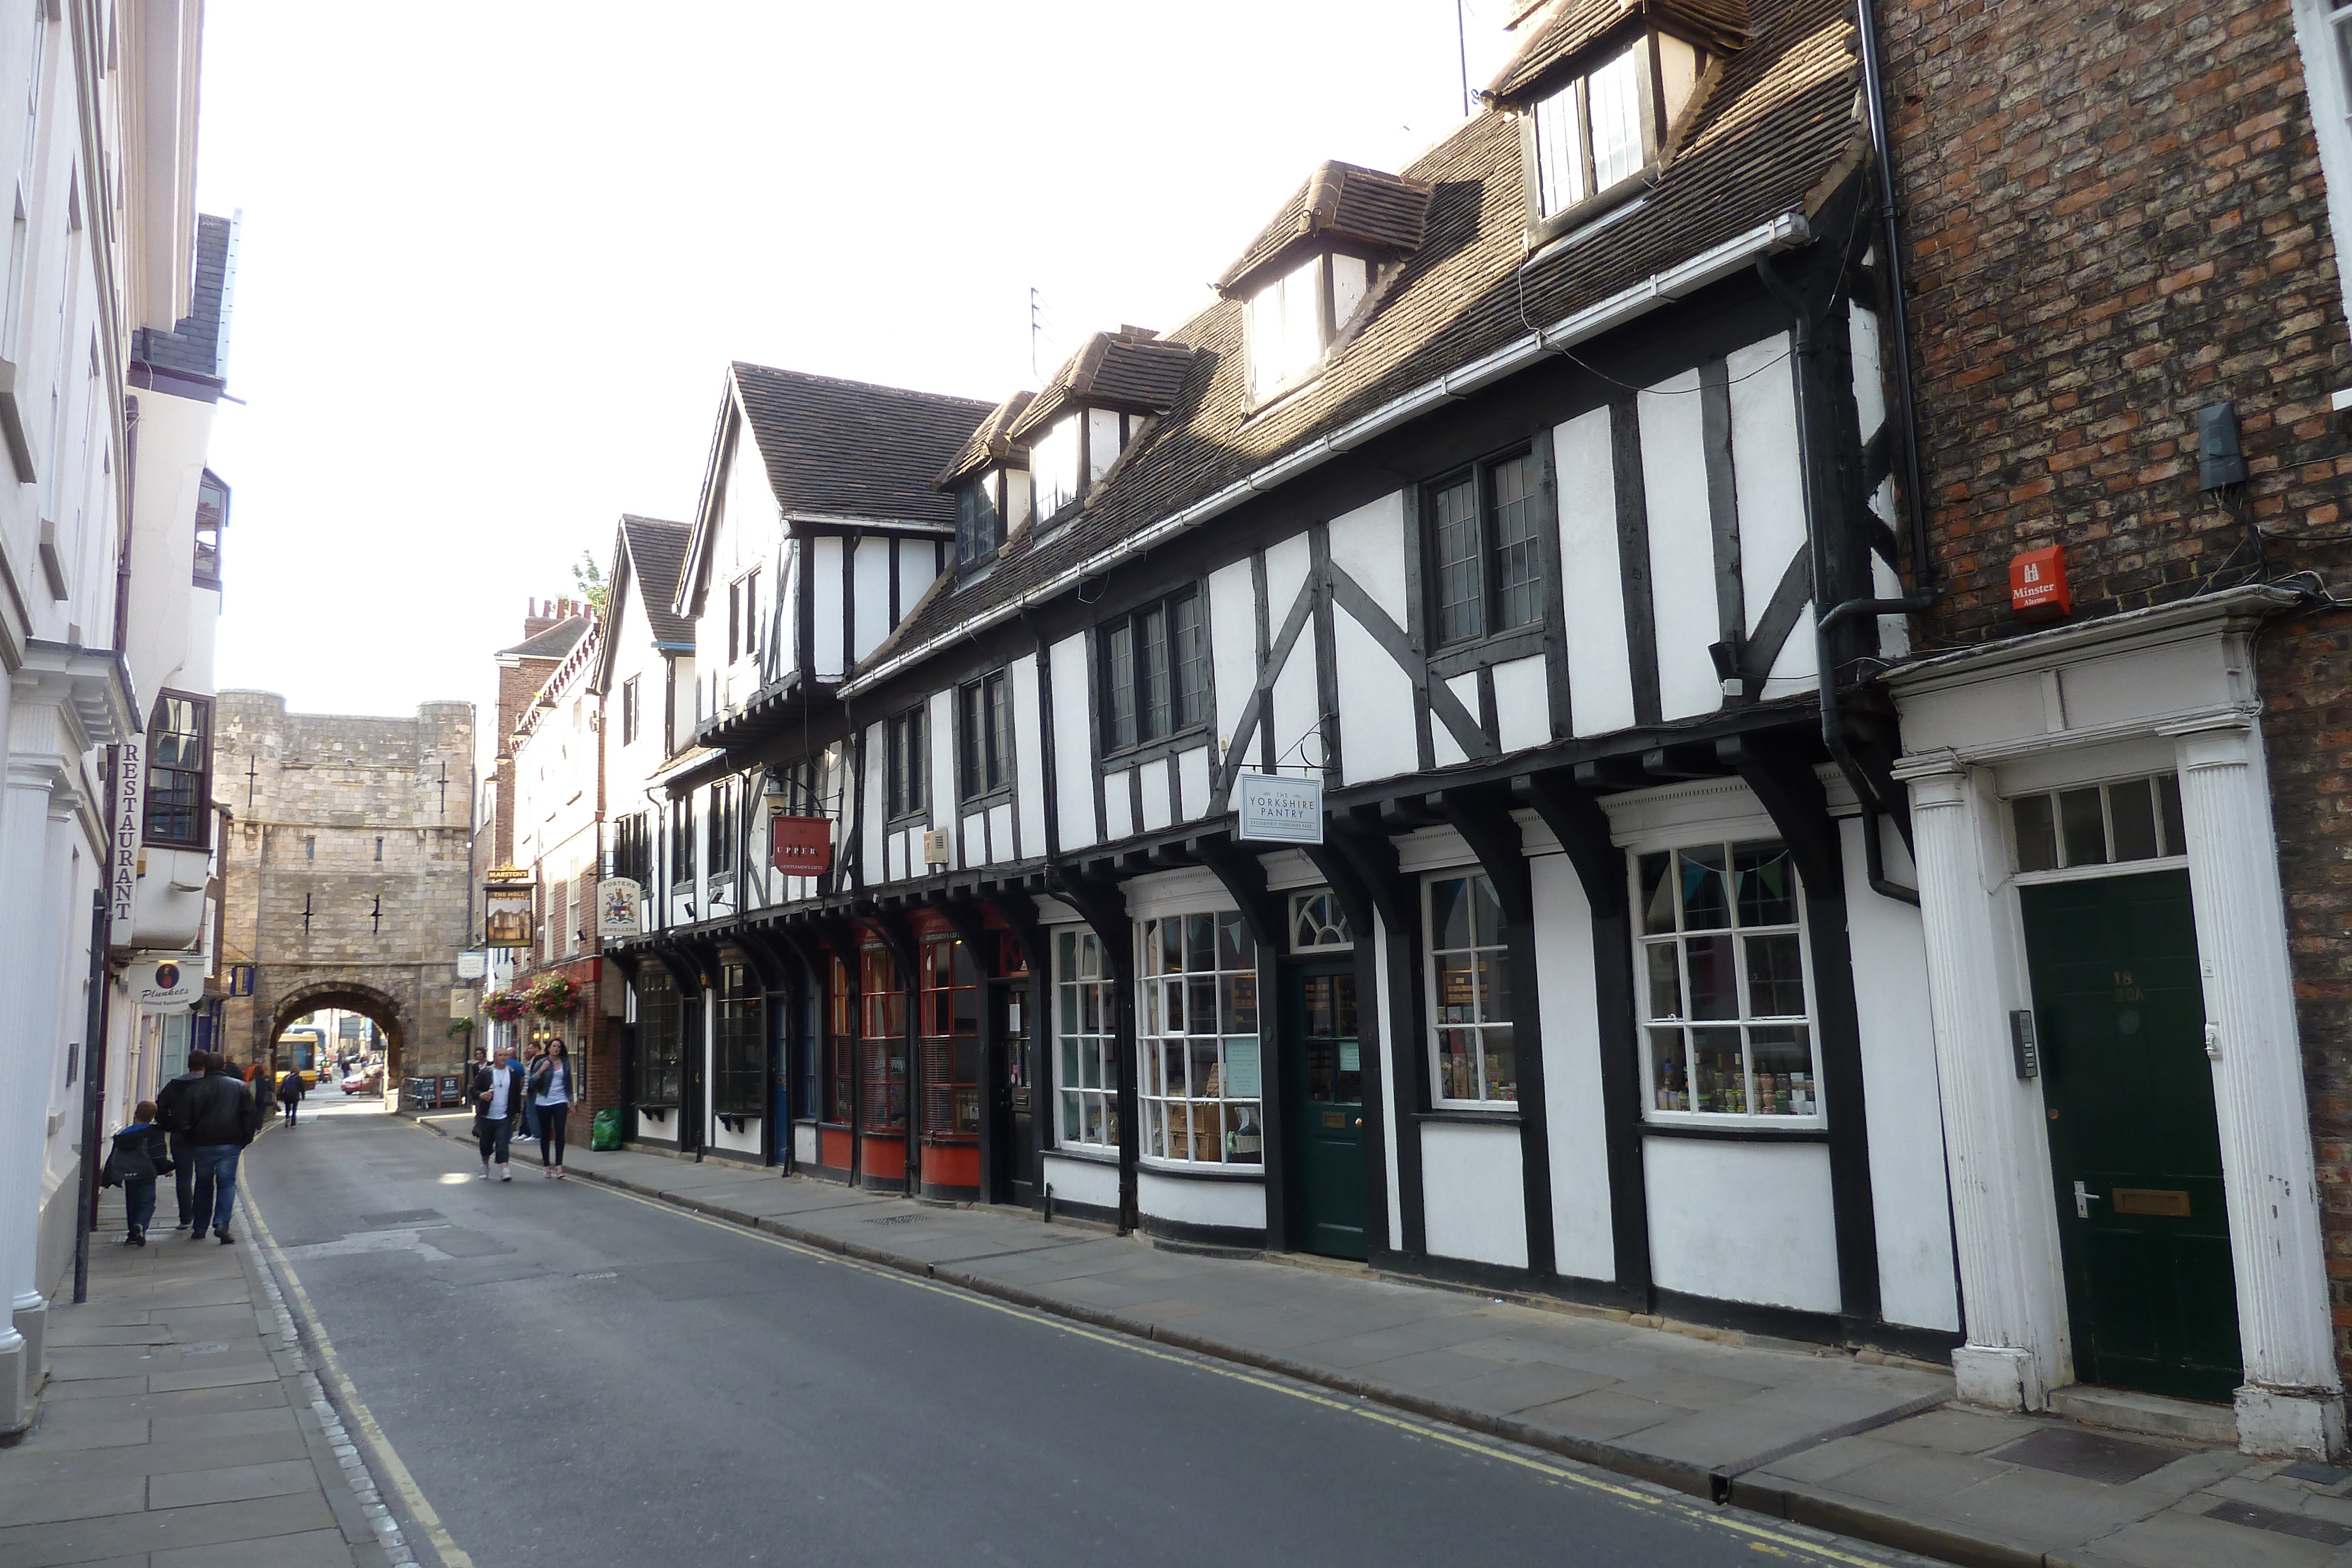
[550, 1096]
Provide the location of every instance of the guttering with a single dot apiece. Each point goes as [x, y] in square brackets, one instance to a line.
[1786, 232]
[1898, 314]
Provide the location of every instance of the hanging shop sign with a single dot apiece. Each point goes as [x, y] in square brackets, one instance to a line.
[507, 907]
[240, 979]
[128, 829]
[620, 907]
[165, 985]
[1278, 810]
[801, 846]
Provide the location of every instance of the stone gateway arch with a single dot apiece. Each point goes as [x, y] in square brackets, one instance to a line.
[347, 871]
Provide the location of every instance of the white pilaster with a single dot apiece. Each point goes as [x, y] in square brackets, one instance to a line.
[2012, 1311]
[2293, 1398]
[29, 1047]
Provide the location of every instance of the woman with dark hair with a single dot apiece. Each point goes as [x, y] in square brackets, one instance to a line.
[550, 1096]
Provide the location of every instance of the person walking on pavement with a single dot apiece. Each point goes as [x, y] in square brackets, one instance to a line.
[550, 1096]
[168, 1117]
[141, 1152]
[498, 1091]
[289, 1093]
[221, 1117]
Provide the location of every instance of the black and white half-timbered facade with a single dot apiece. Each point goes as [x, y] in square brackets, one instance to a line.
[1534, 499]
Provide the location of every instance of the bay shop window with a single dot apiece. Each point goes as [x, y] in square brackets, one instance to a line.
[1478, 1065]
[1086, 1029]
[949, 1022]
[1727, 1031]
[1197, 1040]
[882, 1062]
[838, 1085]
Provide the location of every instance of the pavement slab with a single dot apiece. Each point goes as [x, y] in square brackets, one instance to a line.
[168, 1432]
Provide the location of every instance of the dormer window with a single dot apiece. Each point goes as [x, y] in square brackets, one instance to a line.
[1076, 452]
[980, 519]
[1296, 315]
[1597, 133]
[1313, 272]
[1053, 465]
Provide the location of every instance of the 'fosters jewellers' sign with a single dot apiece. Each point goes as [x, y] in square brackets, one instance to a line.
[130, 811]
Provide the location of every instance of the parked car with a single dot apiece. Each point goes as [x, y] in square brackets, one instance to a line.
[370, 1082]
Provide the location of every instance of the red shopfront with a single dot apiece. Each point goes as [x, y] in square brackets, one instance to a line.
[892, 1052]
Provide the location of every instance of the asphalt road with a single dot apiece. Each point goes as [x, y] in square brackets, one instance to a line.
[577, 1376]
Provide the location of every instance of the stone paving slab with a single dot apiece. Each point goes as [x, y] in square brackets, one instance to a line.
[1800, 1432]
[171, 1434]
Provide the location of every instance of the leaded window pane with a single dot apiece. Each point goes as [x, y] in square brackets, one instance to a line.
[1518, 561]
[1461, 574]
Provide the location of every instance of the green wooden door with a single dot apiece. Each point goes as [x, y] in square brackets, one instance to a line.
[1326, 1111]
[2134, 1147]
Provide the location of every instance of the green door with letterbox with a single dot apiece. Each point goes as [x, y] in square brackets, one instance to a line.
[2134, 1147]
[1326, 1110]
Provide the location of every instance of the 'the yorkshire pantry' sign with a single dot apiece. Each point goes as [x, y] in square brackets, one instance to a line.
[1278, 810]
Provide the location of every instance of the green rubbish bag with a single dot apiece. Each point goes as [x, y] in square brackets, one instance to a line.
[604, 1132]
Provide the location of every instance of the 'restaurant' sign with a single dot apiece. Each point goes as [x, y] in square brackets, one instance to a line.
[801, 846]
[130, 816]
[1279, 810]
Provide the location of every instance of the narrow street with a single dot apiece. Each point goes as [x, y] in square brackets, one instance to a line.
[568, 1370]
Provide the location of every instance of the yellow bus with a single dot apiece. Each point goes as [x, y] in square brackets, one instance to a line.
[303, 1049]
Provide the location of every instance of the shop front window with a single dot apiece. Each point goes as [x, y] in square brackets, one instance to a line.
[1197, 1040]
[1086, 1025]
[950, 1022]
[883, 1042]
[738, 1047]
[1728, 1024]
[1470, 993]
[840, 1073]
[660, 1009]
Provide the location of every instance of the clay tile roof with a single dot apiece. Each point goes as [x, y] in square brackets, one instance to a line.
[1128, 369]
[1572, 25]
[989, 446]
[1777, 136]
[553, 643]
[852, 449]
[1339, 202]
[656, 554]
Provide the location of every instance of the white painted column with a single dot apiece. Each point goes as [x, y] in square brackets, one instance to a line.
[27, 1049]
[2001, 1215]
[2293, 1398]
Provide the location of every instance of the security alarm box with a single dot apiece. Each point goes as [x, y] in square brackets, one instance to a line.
[935, 846]
[2037, 584]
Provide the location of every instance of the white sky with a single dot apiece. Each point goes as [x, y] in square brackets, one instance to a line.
[496, 257]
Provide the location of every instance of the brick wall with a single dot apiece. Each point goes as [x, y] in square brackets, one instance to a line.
[2115, 216]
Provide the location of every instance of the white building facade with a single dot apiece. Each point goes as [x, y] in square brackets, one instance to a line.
[108, 587]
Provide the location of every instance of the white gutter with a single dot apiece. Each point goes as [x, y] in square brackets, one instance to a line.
[1711, 266]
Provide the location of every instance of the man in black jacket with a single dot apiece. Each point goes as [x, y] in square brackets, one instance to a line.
[167, 1107]
[221, 1118]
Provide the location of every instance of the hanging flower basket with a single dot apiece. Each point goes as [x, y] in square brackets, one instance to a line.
[507, 1006]
[554, 997]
